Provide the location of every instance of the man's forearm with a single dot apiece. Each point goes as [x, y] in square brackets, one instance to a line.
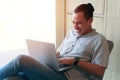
[92, 68]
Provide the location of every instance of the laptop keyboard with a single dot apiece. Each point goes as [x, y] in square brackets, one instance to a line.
[63, 65]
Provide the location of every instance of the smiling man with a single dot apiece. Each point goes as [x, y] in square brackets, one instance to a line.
[89, 48]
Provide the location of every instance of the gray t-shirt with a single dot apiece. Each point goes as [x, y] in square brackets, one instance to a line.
[92, 47]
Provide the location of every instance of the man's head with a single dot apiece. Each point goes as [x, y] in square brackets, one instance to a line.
[82, 18]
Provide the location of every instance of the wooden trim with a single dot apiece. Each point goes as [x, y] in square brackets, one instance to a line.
[65, 18]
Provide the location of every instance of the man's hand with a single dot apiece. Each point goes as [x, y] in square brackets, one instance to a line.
[58, 54]
[66, 60]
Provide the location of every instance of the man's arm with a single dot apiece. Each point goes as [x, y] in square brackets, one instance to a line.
[86, 66]
[92, 68]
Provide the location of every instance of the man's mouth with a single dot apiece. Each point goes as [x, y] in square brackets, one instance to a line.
[78, 31]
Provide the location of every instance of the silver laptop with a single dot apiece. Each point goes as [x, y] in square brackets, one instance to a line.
[45, 53]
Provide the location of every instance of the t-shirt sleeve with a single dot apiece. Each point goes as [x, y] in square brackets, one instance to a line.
[101, 52]
[61, 46]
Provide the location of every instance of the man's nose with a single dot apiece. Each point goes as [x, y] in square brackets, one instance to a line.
[76, 26]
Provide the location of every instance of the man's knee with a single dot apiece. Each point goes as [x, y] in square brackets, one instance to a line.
[21, 59]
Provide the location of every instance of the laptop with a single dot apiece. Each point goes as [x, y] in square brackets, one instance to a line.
[45, 53]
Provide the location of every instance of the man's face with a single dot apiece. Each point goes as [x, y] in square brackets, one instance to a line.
[81, 24]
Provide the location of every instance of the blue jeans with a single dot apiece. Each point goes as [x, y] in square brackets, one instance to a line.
[30, 68]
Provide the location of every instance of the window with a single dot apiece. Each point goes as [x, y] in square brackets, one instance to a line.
[21, 19]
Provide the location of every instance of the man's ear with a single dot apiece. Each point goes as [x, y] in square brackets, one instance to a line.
[91, 20]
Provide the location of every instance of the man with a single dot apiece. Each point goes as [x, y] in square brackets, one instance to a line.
[82, 47]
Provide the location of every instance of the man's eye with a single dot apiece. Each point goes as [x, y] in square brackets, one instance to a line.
[73, 22]
[79, 23]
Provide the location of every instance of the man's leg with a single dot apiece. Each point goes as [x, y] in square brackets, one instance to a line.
[31, 68]
[16, 77]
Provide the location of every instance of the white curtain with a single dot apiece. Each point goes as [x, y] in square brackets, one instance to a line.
[21, 19]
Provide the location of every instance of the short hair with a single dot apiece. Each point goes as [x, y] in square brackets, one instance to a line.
[88, 10]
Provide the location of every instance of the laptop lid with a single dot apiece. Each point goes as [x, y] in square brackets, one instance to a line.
[44, 52]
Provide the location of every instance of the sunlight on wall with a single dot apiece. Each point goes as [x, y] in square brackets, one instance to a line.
[21, 19]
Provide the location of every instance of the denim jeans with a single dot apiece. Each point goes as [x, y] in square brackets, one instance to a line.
[30, 68]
